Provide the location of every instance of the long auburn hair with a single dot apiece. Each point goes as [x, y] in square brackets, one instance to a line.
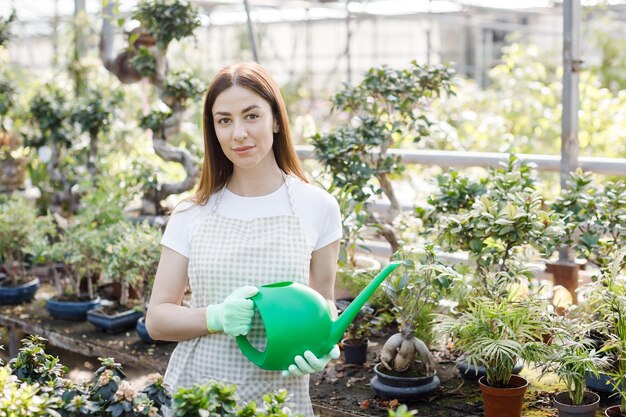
[217, 168]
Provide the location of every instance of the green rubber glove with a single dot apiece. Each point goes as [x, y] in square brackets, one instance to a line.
[233, 316]
[309, 363]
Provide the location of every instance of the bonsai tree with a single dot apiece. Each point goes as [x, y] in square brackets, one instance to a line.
[21, 232]
[386, 109]
[502, 223]
[51, 135]
[93, 114]
[161, 23]
[133, 259]
[421, 283]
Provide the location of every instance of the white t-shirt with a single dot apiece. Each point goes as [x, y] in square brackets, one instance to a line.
[318, 212]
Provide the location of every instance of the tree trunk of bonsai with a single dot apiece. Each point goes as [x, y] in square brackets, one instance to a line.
[151, 200]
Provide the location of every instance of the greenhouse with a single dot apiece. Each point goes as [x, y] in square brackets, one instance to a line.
[333, 208]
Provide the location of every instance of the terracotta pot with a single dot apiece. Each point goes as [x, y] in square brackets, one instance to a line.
[504, 402]
[613, 411]
[590, 405]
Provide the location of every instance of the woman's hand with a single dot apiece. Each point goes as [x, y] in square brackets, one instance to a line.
[309, 363]
[233, 316]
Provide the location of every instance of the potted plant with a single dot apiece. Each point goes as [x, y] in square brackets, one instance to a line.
[385, 109]
[501, 230]
[572, 358]
[131, 260]
[421, 282]
[606, 300]
[357, 336]
[21, 230]
[496, 332]
[81, 247]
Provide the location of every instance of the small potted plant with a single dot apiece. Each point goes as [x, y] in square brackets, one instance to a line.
[607, 302]
[496, 332]
[357, 337]
[421, 282]
[21, 232]
[573, 357]
[81, 247]
[130, 260]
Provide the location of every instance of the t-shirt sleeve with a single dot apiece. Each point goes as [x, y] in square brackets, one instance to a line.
[177, 235]
[330, 224]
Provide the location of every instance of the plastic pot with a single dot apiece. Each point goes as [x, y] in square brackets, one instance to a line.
[400, 387]
[355, 351]
[504, 402]
[613, 411]
[590, 405]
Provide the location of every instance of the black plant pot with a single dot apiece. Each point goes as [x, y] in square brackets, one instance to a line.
[20, 294]
[475, 373]
[601, 383]
[355, 351]
[71, 310]
[113, 323]
[402, 388]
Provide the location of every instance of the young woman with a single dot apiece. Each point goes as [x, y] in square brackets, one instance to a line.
[253, 220]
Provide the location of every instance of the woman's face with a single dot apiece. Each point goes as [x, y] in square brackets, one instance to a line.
[244, 124]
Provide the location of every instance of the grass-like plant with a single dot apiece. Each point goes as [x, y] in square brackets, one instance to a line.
[496, 332]
[573, 357]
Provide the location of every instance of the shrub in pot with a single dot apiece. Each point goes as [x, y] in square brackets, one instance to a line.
[21, 232]
[593, 216]
[496, 332]
[507, 220]
[419, 283]
[132, 261]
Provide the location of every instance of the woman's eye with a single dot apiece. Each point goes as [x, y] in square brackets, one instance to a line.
[252, 116]
[223, 121]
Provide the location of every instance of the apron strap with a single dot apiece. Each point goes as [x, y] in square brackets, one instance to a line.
[292, 204]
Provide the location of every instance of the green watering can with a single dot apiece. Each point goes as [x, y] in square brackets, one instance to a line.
[297, 318]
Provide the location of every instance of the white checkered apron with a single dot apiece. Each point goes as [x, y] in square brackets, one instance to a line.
[226, 254]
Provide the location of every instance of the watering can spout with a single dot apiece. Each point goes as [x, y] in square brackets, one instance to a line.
[341, 324]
